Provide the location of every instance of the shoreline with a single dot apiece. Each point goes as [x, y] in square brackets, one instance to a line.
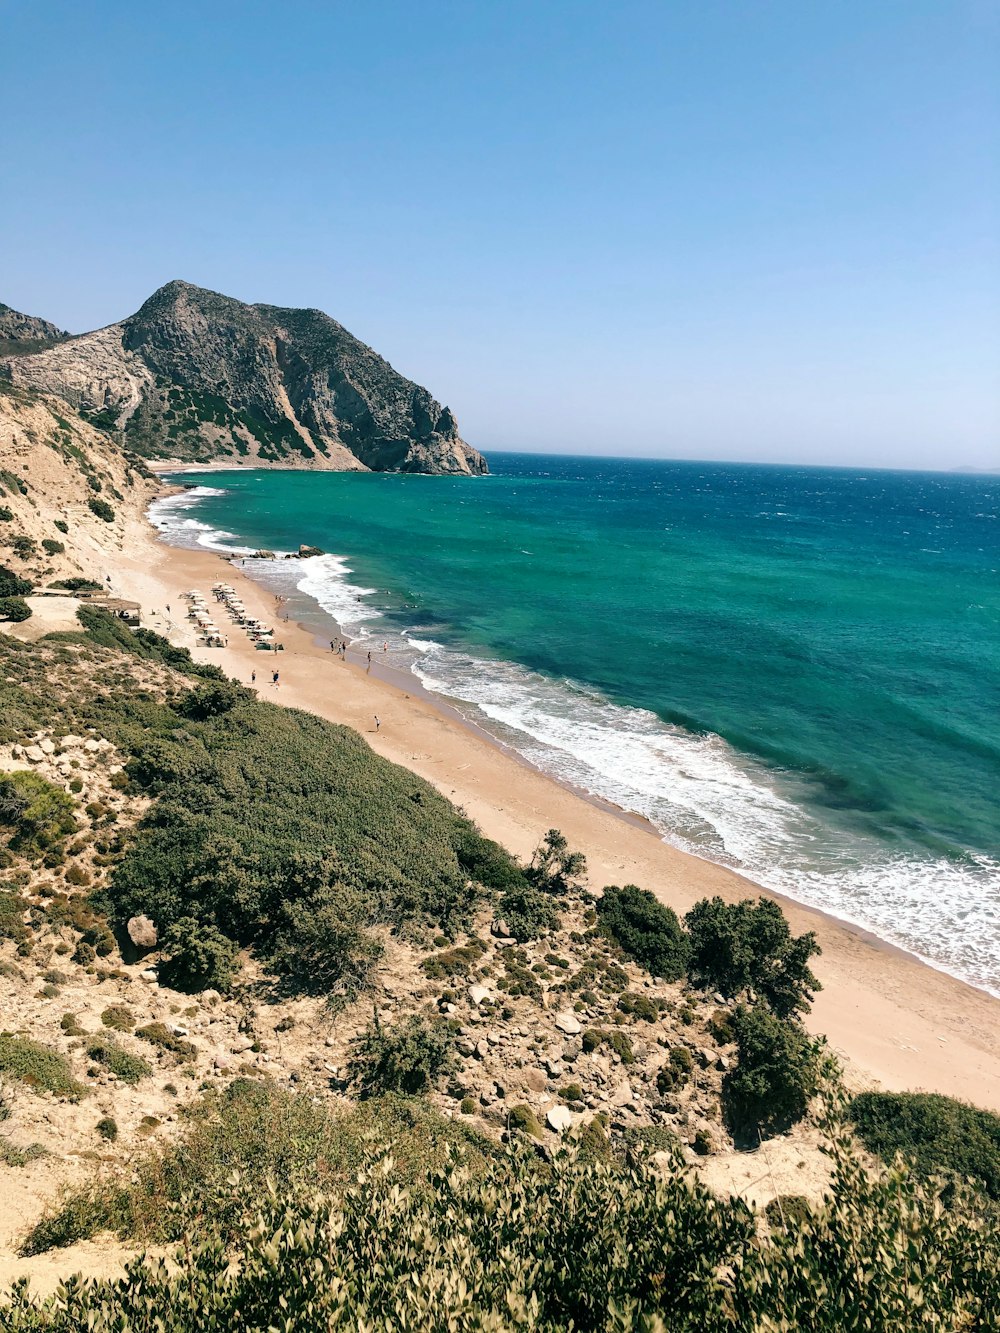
[896, 1020]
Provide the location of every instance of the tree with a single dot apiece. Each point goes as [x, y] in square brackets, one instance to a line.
[738, 947]
[322, 945]
[777, 1073]
[101, 508]
[648, 931]
[554, 868]
[14, 609]
[528, 913]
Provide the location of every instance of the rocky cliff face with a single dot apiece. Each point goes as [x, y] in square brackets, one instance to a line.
[200, 377]
[24, 333]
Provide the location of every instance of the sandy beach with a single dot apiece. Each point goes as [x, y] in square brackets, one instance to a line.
[895, 1022]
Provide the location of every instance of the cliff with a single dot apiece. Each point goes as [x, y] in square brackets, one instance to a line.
[200, 377]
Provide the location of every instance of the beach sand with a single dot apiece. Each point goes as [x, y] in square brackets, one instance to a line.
[895, 1022]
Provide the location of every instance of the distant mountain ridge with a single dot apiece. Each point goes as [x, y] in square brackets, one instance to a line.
[200, 377]
[20, 334]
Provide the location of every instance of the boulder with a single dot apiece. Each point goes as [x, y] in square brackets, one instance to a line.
[477, 994]
[568, 1024]
[306, 551]
[34, 754]
[142, 932]
[559, 1118]
[47, 747]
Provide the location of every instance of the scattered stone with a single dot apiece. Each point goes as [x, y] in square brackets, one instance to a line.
[477, 994]
[34, 754]
[142, 932]
[91, 746]
[47, 747]
[500, 928]
[148, 974]
[222, 1062]
[568, 1024]
[482, 1048]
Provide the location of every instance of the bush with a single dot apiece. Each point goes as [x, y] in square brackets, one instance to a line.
[119, 1017]
[614, 1039]
[38, 1067]
[101, 508]
[645, 929]
[528, 912]
[128, 1068]
[40, 813]
[940, 1135]
[12, 910]
[199, 957]
[776, 1075]
[676, 1072]
[575, 1243]
[158, 1034]
[6, 514]
[12, 585]
[523, 1118]
[107, 1128]
[77, 584]
[737, 947]
[411, 1057]
[14, 609]
[62, 526]
[51, 547]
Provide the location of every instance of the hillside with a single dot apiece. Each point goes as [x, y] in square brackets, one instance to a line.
[20, 334]
[200, 377]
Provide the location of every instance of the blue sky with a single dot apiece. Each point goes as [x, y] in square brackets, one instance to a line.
[750, 229]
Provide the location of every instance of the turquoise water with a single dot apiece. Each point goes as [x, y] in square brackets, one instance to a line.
[792, 671]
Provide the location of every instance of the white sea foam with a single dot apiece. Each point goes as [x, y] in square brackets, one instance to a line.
[703, 795]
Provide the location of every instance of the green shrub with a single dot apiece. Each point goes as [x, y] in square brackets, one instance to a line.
[411, 1057]
[454, 962]
[737, 947]
[521, 1243]
[128, 1068]
[6, 514]
[12, 910]
[528, 912]
[777, 1073]
[523, 1118]
[14, 609]
[614, 1039]
[107, 1128]
[51, 547]
[676, 1072]
[70, 1024]
[119, 1017]
[62, 526]
[77, 584]
[101, 508]
[645, 929]
[639, 1006]
[12, 585]
[38, 1067]
[158, 1034]
[468, 1106]
[199, 957]
[322, 946]
[789, 1211]
[940, 1135]
[39, 813]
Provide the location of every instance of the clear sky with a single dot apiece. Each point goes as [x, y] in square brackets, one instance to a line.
[735, 229]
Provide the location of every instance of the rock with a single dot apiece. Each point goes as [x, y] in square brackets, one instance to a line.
[559, 1118]
[210, 996]
[34, 754]
[71, 742]
[306, 552]
[142, 932]
[722, 1064]
[554, 1068]
[450, 1008]
[534, 1079]
[222, 1061]
[47, 747]
[179, 1031]
[482, 1048]
[148, 974]
[719, 999]
[568, 1024]
[493, 1037]
[464, 1047]
[477, 994]
[500, 928]
[623, 1095]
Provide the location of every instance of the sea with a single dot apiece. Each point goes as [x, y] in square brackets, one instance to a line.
[790, 671]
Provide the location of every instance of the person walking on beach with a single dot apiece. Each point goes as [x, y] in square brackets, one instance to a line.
[253, 677]
[274, 678]
[377, 722]
[333, 646]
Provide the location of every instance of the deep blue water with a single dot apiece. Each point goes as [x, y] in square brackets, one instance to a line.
[794, 671]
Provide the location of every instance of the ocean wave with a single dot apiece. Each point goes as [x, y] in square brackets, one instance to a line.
[169, 516]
